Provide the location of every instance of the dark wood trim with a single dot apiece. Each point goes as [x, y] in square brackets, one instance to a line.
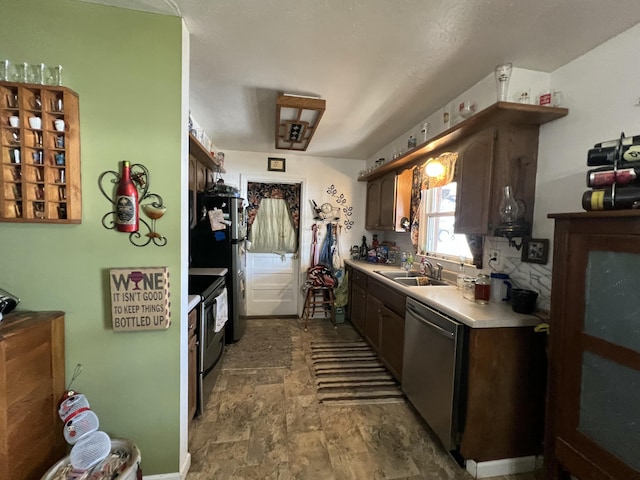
[617, 353]
[497, 114]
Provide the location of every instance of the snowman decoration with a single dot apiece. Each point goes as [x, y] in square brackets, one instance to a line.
[90, 446]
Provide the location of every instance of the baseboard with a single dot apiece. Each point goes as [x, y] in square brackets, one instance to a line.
[184, 469]
[505, 466]
[163, 476]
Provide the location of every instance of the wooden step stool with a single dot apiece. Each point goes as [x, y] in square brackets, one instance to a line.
[322, 297]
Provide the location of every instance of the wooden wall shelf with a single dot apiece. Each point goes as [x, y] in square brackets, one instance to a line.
[39, 163]
[499, 113]
[197, 150]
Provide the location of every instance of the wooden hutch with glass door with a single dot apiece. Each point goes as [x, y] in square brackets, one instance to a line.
[593, 396]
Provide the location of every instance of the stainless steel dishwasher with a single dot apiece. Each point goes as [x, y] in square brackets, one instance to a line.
[431, 373]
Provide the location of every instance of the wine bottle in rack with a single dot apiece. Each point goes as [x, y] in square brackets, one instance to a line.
[600, 177]
[611, 198]
[607, 155]
[126, 202]
[635, 140]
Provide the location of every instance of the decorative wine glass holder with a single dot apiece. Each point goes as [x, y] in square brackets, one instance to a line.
[154, 209]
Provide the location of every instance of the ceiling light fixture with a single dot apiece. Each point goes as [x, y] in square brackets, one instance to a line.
[296, 120]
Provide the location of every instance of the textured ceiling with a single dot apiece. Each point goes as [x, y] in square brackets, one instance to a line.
[381, 65]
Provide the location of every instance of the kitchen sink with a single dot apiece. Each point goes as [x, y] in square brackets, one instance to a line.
[419, 281]
[392, 274]
[410, 279]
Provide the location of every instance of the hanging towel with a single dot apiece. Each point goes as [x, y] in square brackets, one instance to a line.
[314, 245]
[222, 310]
[337, 258]
[327, 247]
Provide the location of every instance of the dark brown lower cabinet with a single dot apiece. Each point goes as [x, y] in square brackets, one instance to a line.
[382, 324]
[392, 341]
[504, 407]
[372, 321]
[593, 397]
[358, 299]
[359, 308]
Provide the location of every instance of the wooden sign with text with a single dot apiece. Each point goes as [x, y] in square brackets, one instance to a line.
[140, 298]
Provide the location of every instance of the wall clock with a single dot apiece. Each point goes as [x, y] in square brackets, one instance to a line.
[326, 209]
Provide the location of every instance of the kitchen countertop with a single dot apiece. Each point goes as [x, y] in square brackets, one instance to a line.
[194, 300]
[449, 300]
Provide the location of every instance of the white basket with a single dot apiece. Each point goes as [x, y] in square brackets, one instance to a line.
[129, 473]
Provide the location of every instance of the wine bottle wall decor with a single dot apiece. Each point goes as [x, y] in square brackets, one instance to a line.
[131, 194]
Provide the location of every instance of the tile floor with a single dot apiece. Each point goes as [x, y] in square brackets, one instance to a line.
[265, 422]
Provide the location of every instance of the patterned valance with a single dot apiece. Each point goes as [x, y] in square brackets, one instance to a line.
[290, 192]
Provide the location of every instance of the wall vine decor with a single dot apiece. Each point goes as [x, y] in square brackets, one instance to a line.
[341, 200]
[155, 209]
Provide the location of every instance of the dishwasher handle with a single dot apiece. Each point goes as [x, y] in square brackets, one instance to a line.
[437, 328]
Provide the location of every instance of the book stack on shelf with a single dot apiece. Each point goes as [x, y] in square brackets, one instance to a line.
[615, 182]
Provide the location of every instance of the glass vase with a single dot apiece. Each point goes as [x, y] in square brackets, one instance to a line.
[503, 74]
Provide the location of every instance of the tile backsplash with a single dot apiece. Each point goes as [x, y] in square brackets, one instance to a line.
[531, 276]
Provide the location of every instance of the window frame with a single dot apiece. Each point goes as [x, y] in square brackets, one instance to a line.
[431, 210]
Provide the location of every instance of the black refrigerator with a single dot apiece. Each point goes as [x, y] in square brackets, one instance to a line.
[217, 239]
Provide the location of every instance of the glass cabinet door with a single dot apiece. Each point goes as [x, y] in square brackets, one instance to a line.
[603, 353]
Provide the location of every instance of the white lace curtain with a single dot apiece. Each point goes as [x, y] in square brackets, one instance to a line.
[272, 229]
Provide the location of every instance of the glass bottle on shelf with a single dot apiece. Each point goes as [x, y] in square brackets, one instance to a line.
[503, 74]
[425, 131]
[363, 248]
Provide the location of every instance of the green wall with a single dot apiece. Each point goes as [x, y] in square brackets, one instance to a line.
[126, 68]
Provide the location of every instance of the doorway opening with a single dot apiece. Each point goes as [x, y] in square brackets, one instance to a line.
[273, 260]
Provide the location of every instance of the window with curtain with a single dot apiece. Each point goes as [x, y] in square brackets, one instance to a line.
[436, 211]
[273, 229]
[438, 218]
[273, 217]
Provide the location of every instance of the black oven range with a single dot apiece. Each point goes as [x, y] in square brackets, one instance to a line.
[210, 330]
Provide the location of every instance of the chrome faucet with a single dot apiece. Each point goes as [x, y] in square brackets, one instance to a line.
[434, 272]
[439, 272]
[429, 265]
